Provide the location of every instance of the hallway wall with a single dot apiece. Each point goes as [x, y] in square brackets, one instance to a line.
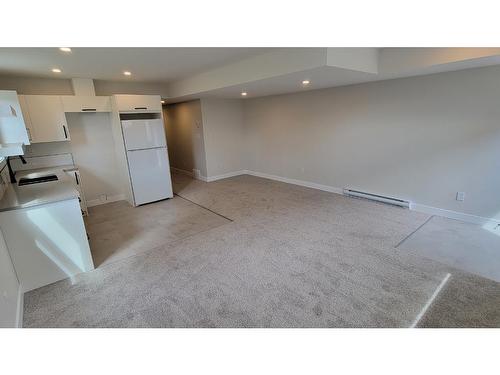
[184, 129]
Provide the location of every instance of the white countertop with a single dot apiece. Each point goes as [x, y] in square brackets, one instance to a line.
[18, 197]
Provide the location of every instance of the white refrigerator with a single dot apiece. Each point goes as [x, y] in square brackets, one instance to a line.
[147, 158]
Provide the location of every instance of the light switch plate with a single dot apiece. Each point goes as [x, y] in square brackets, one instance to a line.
[460, 196]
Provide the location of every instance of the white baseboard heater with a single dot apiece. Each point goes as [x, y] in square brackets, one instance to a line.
[378, 198]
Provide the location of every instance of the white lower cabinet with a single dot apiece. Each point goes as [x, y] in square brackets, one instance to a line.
[9, 289]
[46, 243]
[74, 173]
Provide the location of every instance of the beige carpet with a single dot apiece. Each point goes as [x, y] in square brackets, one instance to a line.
[118, 230]
[292, 257]
[469, 247]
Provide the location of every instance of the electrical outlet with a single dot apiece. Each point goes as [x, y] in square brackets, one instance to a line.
[103, 197]
[460, 196]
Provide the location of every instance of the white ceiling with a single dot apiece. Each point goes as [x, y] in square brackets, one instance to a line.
[188, 73]
[146, 64]
[329, 76]
[282, 71]
[322, 77]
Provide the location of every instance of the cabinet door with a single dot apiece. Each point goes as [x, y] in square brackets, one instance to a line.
[9, 286]
[26, 116]
[83, 201]
[12, 123]
[46, 243]
[138, 103]
[77, 180]
[48, 121]
[86, 103]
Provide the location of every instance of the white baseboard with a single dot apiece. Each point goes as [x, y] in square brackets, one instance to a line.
[20, 308]
[182, 171]
[468, 218]
[197, 175]
[312, 185]
[200, 177]
[225, 175]
[111, 198]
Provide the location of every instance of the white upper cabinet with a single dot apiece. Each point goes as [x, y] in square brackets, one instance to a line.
[138, 103]
[26, 116]
[48, 122]
[86, 103]
[12, 123]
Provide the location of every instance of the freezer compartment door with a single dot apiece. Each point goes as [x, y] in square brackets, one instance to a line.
[141, 134]
[150, 175]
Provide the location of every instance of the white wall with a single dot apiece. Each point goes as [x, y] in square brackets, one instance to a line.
[93, 152]
[223, 133]
[184, 131]
[9, 288]
[421, 138]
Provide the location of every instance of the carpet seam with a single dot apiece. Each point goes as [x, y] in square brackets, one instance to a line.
[412, 233]
[206, 208]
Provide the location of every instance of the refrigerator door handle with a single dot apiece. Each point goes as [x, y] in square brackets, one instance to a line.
[149, 148]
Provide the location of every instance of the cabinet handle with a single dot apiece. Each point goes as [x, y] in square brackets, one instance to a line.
[145, 108]
[89, 109]
[76, 178]
[65, 132]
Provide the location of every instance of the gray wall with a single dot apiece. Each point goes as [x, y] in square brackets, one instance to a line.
[223, 134]
[106, 88]
[62, 86]
[36, 86]
[421, 138]
[184, 129]
[207, 135]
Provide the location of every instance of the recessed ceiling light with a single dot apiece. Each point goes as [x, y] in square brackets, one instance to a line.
[65, 49]
[56, 70]
[306, 82]
[244, 94]
[163, 102]
[127, 73]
